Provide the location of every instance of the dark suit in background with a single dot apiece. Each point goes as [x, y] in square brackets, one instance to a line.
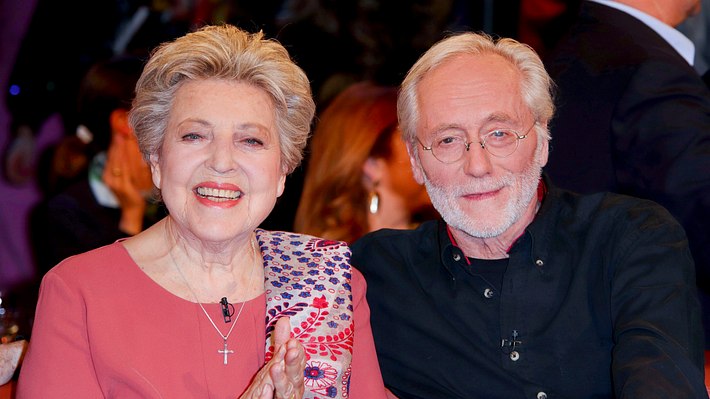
[633, 118]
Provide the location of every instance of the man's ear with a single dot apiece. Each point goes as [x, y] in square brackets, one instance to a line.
[373, 170]
[119, 122]
[417, 171]
[545, 147]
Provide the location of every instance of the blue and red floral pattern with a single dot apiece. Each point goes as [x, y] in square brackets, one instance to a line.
[308, 279]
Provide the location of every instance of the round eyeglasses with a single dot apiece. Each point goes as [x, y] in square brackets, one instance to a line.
[500, 143]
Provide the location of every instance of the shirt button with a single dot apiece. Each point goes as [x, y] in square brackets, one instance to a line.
[541, 395]
[539, 262]
[488, 293]
[514, 356]
[457, 257]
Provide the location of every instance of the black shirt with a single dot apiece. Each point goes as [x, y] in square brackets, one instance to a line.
[597, 299]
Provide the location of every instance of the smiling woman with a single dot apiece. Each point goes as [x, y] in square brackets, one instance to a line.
[221, 136]
[203, 300]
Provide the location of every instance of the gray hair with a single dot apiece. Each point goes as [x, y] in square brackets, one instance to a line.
[536, 84]
[224, 52]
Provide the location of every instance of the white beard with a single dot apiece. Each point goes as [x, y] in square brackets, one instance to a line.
[523, 187]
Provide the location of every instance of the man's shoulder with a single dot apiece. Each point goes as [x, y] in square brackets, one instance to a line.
[607, 40]
[400, 244]
[397, 237]
[610, 209]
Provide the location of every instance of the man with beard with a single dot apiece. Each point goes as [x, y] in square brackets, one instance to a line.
[522, 290]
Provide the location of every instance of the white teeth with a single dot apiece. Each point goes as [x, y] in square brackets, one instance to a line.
[218, 195]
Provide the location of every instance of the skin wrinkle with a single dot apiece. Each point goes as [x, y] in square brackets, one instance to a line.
[500, 192]
[255, 176]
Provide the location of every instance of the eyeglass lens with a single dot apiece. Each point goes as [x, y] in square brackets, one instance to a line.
[499, 143]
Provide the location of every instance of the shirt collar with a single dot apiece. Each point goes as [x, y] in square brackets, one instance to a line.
[673, 37]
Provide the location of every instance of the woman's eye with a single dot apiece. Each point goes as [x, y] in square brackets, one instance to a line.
[254, 142]
[191, 137]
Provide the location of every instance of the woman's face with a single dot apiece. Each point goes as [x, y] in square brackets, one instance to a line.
[219, 168]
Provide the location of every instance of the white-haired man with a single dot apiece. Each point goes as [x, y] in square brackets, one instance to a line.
[522, 290]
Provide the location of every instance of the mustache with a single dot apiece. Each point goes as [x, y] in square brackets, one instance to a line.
[484, 185]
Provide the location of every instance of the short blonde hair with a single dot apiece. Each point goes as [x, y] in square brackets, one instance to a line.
[224, 52]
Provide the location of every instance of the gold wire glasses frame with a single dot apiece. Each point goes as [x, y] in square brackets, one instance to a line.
[500, 143]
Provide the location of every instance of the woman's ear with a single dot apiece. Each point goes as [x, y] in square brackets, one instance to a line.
[154, 162]
[281, 185]
[373, 171]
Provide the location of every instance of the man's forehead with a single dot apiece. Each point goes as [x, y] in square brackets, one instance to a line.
[470, 75]
[478, 90]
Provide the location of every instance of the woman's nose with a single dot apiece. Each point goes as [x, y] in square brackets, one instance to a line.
[222, 157]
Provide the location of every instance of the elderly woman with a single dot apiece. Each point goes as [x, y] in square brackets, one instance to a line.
[199, 304]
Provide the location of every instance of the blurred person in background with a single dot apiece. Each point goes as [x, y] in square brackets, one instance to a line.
[37, 89]
[358, 177]
[110, 196]
[634, 114]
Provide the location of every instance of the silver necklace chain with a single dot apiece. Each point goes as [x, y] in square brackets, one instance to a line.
[223, 351]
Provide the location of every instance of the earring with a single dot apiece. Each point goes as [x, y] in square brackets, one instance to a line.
[374, 202]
